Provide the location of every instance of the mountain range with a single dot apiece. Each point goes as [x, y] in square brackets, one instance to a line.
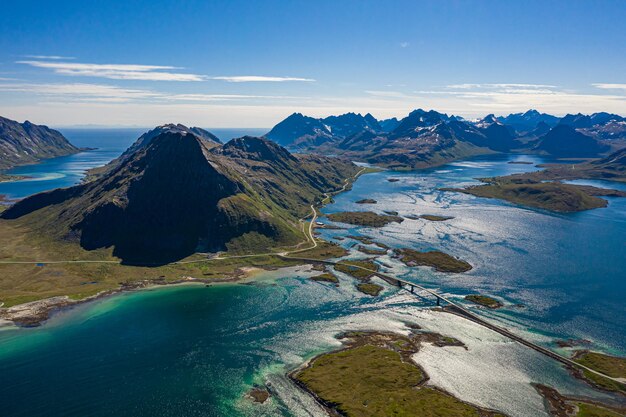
[247, 194]
[27, 143]
[425, 138]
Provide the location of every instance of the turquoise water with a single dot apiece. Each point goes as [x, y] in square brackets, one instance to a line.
[195, 350]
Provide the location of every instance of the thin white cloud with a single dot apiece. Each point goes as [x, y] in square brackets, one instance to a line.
[404, 44]
[53, 57]
[386, 93]
[225, 97]
[78, 91]
[468, 86]
[259, 78]
[108, 93]
[116, 71]
[610, 86]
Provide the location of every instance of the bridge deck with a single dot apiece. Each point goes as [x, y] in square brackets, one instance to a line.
[456, 308]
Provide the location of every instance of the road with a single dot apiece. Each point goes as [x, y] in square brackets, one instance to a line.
[452, 307]
[458, 309]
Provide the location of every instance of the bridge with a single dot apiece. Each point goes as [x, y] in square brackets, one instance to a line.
[458, 309]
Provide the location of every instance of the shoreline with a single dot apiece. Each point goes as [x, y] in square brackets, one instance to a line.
[35, 313]
[351, 340]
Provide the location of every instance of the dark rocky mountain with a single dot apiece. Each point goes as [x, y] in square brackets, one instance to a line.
[426, 138]
[541, 129]
[416, 121]
[524, 122]
[566, 142]
[27, 143]
[611, 130]
[602, 126]
[495, 135]
[350, 123]
[299, 127]
[583, 121]
[179, 193]
[388, 125]
[422, 139]
[299, 131]
[145, 139]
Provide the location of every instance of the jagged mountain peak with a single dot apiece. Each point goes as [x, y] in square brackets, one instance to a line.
[178, 194]
[251, 147]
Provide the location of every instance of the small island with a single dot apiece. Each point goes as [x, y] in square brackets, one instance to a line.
[553, 196]
[371, 251]
[440, 261]
[359, 269]
[374, 375]
[369, 288]
[364, 218]
[484, 301]
[259, 394]
[367, 201]
[435, 218]
[393, 179]
[325, 277]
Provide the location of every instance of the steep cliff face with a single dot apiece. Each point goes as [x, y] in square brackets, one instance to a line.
[26, 143]
[178, 194]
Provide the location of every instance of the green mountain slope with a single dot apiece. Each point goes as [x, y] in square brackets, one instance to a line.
[179, 194]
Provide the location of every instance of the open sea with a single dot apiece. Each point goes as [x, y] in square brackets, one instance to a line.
[195, 351]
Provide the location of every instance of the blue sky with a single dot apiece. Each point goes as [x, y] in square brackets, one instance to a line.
[250, 64]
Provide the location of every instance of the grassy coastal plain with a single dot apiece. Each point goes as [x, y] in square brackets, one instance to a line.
[65, 269]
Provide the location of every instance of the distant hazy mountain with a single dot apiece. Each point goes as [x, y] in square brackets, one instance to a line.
[524, 122]
[179, 193]
[603, 126]
[388, 125]
[299, 131]
[427, 137]
[27, 143]
[564, 141]
[422, 139]
[581, 121]
[418, 120]
[496, 135]
[298, 126]
[541, 129]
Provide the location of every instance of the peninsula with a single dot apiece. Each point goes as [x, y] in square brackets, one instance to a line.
[544, 189]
